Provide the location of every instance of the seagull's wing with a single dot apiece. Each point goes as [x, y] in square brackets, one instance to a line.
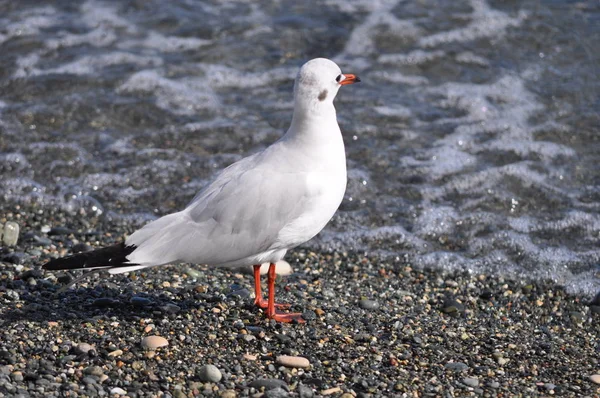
[240, 214]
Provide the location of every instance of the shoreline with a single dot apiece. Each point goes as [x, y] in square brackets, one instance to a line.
[373, 329]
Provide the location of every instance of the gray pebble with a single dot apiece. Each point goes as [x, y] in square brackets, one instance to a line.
[471, 381]
[12, 295]
[170, 308]
[209, 373]
[276, 393]
[94, 371]
[494, 384]
[367, 304]
[304, 391]
[83, 348]
[456, 366]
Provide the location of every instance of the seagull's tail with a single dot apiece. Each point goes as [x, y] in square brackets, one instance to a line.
[109, 257]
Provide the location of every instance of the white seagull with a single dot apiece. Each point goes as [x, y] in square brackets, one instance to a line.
[256, 209]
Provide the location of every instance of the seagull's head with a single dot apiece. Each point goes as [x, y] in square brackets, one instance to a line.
[318, 82]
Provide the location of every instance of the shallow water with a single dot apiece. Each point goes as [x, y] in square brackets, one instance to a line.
[473, 140]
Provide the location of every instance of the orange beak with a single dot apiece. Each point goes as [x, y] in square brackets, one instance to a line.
[349, 79]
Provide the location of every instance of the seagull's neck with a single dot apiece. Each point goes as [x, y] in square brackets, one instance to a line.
[315, 123]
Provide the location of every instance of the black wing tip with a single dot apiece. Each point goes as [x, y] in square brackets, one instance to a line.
[107, 257]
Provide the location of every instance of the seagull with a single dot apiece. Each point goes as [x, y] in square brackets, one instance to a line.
[256, 209]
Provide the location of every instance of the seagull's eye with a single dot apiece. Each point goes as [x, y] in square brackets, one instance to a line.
[337, 79]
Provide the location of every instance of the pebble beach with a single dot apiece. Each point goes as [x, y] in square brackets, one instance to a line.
[373, 328]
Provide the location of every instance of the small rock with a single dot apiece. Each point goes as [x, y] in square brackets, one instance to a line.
[104, 302]
[140, 301]
[502, 361]
[494, 384]
[292, 361]
[451, 306]
[269, 384]
[330, 391]
[117, 390]
[367, 304]
[595, 378]
[456, 366]
[60, 231]
[170, 308]
[304, 391]
[81, 248]
[17, 377]
[471, 381]
[94, 371]
[276, 393]
[154, 342]
[83, 348]
[115, 353]
[209, 373]
[228, 394]
[11, 233]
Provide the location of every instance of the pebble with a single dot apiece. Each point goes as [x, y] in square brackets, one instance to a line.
[117, 390]
[10, 236]
[228, 394]
[209, 373]
[451, 306]
[269, 384]
[154, 342]
[84, 348]
[595, 378]
[140, 301]
[367, 304]
[456, 366]
[471, 381]
[304, 391]
[115, 353]
[292, 361]
[330, 391]
[276, 393]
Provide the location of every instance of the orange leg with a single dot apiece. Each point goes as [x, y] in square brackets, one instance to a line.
[271, 312]
[259, 301]
[270, 305]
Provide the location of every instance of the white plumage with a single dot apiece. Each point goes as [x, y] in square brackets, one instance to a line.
[263, 205]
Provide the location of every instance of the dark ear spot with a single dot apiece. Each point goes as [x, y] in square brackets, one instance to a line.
[322, 95]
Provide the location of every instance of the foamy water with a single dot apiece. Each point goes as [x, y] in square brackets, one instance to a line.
[472, 141]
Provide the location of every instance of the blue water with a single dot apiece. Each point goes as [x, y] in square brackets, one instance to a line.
[473, 140]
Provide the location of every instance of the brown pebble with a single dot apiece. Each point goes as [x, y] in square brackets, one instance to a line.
[330, 391]
[319, 312]
[154, 342]
[292, 361]
[250, 357]
[115, 353]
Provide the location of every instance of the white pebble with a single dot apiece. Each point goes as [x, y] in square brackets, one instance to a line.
[595, 378]
[117, 390]
[11, 233]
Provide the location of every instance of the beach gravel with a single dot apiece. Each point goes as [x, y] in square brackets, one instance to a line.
[375, 328]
